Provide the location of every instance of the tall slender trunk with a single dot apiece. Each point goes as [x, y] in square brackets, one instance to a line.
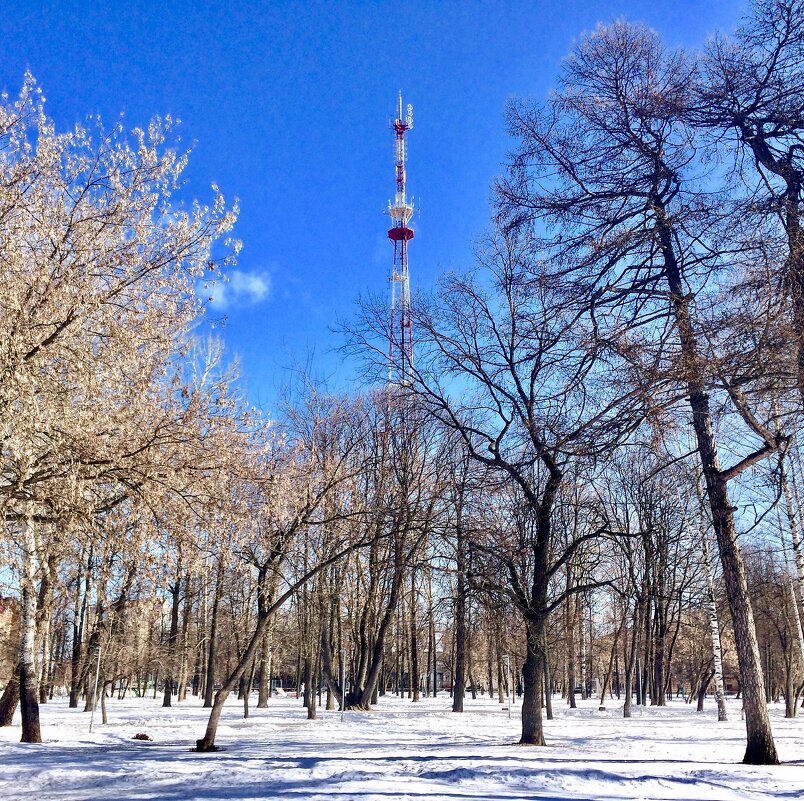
[306, 673]
[795, 241]
[610, 667]
[657, 696]
[459, 677]
[212, 642]
[79, 625]
[582, 646]
[184, 649]
[760, 747]
[502, 680]
[796, 622]
[248, 684]
[548, 690]
[310, 688]
[647, 646]
[490, 663]
[265, 668]
[632, 648]
[569, 628]
[29, 686]
[328, 630]
[414, 638]
[788, 657]
[795, 539]
[431, 634]
[714, 631]
[44, 614]
[470, 673]
[202, 643]
[171, 660]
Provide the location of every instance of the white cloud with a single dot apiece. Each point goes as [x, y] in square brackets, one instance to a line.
[240, 288]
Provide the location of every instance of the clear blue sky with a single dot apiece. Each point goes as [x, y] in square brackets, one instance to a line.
[288, 105]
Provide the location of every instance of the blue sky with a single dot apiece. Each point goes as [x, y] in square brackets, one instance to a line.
[287, 105]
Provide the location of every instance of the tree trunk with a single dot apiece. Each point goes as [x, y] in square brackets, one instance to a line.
[249, 683]
[44, 613]
[212, 649]
[434, 654]
[310, 691]
[582, 643]
[307, 679]
[799, 632]
[79, 623]
[548, 690]
[798, 556]
[714, 632]
[360, 697]
[490, 664]
[266, 608]
[207, 742]
[414, 639]
[631, 658]
[609, 668]
[184, 647]
[703, 688]
[10, 698]
[658, 682]
[647, 645]
[532, 724]
[459, 675]
[170, 661]
[570, 640]
[29, 688]
[502, 681]
[760, 747]
[265, 668]
[102, 690]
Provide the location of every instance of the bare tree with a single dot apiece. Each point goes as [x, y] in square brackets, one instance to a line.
[501, 365]
[753, 88]
[610, 166]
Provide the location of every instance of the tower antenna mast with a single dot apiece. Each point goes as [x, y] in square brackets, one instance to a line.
[400, 340]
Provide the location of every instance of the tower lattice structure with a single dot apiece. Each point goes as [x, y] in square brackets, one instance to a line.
[400, 340]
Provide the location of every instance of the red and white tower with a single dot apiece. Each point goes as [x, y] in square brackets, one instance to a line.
[400, 340]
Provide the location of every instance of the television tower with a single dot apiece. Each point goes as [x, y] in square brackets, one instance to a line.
[400, 339]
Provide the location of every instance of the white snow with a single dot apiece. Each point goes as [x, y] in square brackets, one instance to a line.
[400, 750]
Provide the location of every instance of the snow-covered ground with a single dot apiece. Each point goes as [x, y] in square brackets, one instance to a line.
[399, 751]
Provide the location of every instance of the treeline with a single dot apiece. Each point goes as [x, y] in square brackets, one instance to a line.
[591, 479]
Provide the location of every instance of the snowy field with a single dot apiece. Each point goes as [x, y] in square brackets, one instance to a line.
[399, 751]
